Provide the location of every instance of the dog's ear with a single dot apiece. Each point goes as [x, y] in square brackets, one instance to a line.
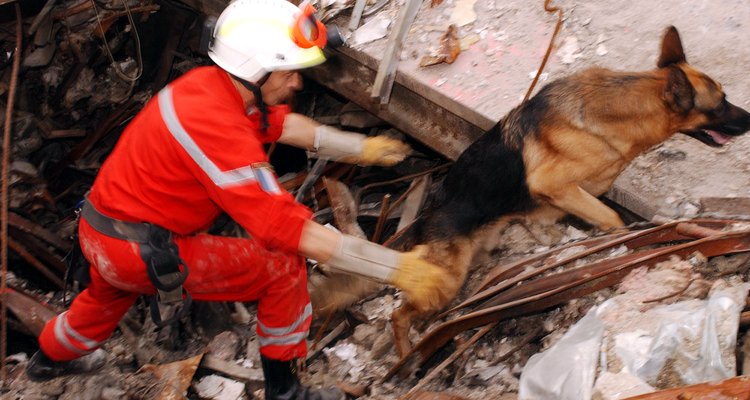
[678, 92]
[671, 49]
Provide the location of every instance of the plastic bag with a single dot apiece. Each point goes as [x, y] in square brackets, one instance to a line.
[683, 343]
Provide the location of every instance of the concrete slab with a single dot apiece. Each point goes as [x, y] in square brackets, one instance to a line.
[448, 106]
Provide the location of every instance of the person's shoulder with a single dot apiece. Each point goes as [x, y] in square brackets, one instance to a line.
[204, 75]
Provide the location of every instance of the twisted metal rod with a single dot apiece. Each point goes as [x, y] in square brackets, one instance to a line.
[4, 199]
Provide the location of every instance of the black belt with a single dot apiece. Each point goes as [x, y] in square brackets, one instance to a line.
[159, 253]
[130, 231]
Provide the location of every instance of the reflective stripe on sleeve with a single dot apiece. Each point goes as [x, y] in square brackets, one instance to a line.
[222, 179]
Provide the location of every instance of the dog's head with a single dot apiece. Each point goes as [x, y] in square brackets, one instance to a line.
[697, 101]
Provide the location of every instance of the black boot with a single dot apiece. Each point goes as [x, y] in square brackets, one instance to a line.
[283, 384]
[41, 368]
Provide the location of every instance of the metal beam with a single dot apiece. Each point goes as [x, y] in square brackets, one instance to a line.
[407, 111]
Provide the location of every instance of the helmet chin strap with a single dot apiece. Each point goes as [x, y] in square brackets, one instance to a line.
[255, 88]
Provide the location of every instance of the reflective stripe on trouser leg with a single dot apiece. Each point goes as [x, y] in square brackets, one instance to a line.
[96, 311]
[285, 335]
[284, 315]
[91, 319]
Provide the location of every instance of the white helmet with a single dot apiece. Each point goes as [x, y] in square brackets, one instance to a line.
[255, 37]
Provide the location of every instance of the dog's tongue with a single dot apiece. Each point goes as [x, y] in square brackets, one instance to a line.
[718, 137]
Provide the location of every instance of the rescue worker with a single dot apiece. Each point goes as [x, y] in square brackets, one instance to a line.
[196, 150]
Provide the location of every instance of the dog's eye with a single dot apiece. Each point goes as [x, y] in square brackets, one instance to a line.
[720, 109]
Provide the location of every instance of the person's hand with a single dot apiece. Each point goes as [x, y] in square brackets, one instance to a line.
[424, 283]
[356, 148]
[383, 151]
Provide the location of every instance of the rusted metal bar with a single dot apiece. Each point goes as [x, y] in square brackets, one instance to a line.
[338, 330]
[322, 330]
[448, 361]
[575, 276]
[506, 271]
[34, 229]
[406, 178]
[732, 388]
[32, 314]
[384, 212]
[694, 230]
[4, 200]
[113, 16]
[40, 250]
[513, 273]
[21, 251]
[295, 182]
[65, 12]
[593, 277]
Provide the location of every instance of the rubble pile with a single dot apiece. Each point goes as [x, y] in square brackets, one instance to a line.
[89, 66]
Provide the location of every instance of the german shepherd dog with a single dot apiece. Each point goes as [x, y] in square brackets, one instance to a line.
[556, 153]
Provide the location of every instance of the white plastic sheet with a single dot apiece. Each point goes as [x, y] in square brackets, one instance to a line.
[566, 371]
[692, 341]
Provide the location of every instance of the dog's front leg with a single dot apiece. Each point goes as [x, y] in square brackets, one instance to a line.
[574, 200]
[401, 320]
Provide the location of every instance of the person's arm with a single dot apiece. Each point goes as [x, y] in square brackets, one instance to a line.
[318, 242]
[299, 131]
[331, 143]
[423, 282]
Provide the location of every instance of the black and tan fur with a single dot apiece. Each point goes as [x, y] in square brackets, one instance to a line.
[557, 152]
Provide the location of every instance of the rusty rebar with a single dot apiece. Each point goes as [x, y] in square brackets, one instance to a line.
[384, 211]
[549, 48]
[4, 197]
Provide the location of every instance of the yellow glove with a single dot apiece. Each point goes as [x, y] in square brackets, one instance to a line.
[384, 151]
[424, 283]
[356, 148]
[427, 286]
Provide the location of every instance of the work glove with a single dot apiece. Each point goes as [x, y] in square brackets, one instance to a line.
[383, 151]
[356, 148]
[424, 283]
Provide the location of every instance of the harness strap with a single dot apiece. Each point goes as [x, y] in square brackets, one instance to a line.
[158, 251]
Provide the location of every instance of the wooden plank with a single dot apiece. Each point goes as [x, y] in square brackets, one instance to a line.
[232, 370]
[381, 89]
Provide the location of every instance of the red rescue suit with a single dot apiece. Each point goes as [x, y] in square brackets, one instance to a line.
[191, 153]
